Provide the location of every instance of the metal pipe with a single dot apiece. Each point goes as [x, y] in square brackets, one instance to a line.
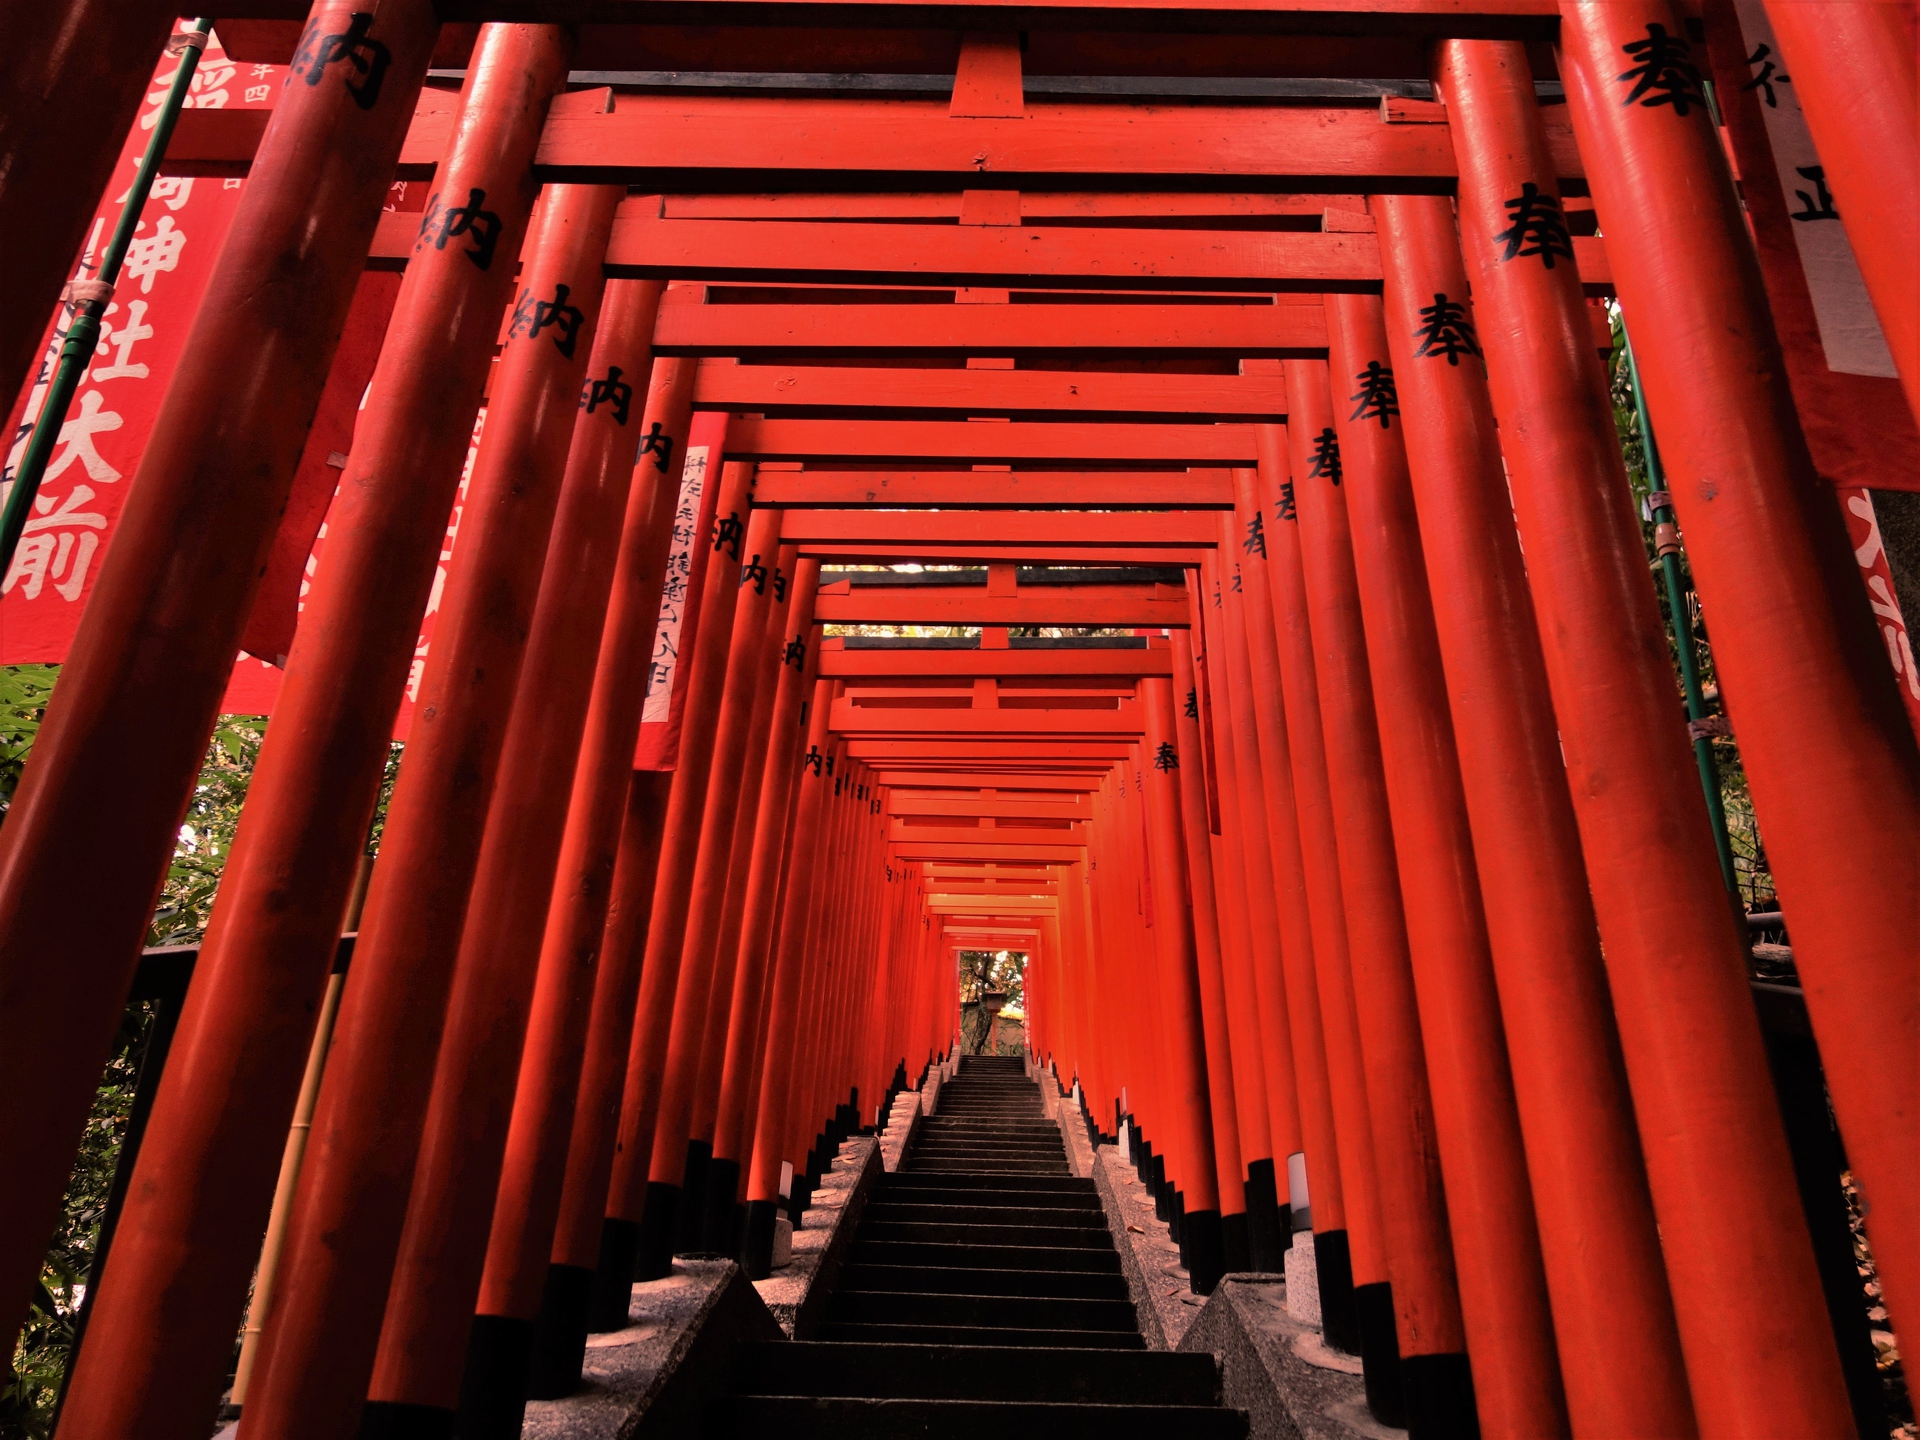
[89, 298]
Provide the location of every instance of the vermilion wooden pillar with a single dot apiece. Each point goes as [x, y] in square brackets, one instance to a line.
[670, 1177]
[1297, 936]
[1589, 1183]
[706, 677]
[1223, 1104]
[787, 994]
[239, 1053]
[1496, 1241]
[741, 1038]
[1852, 66]
[430, 1305]
[74, 75]
[1425, 1299]
[772, 572]
[1185, 1077]
[776, 828]
[116, 756]
[346, 1227]
[591, 949]
[1235, 706]
[1229, 871]
[1695, 300]
[1829, 753]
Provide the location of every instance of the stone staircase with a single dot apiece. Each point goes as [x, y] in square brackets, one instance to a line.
[982, 1292]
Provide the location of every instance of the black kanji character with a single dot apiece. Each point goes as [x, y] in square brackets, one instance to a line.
[1284, 507]
[1236, 579]
[727, 533]
[1767, 76]
[612, 391]
[1664, 73]
[795, 655]
[1325, 464]
[1819, 205]
[367, 58]
[862, 791]
[813, 759]
[1193, 702]
[659, 446]
[1539, 227]
[441, 223]
[1256, 535]
[1166, 757]
[754, 571]
[1446, 330]
[1377, 396]
[531, 316]
[779, 585]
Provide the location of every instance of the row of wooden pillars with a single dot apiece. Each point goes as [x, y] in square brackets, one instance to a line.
[1457, 934]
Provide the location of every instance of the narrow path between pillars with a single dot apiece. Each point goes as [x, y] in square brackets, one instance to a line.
[983, 1290]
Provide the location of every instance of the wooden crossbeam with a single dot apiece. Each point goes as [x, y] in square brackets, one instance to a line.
[850, 719]
[1140, 607]
[921, 779]
[1177, 527]
[688, 326]
[1071, 442]
[989, 255]
[970, 850]
[891, 552]
[982, 805]
[681, 141]
[904, 832]
[1018, 394]
[837, 664]
[994, 489]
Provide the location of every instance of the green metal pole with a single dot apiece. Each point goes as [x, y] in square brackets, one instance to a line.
[90, 298]
[1667, 541]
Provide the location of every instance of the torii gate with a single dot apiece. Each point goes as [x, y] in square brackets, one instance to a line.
[1291, 679]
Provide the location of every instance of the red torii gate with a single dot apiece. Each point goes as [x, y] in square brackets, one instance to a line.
[1832, 761]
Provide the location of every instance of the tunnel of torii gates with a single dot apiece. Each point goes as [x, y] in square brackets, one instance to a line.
[1362, 868]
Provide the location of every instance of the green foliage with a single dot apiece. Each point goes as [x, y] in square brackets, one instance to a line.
[981, 971]
[23, 703]
[30, 1383]
[1752, 871]
[29, 1386]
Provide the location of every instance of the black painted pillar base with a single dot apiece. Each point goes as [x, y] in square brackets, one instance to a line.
[493, 1385]
[1233, 1242]
[392, 1420]
[613, 1276]
[756, 1250]
[1380, 1353]
[1440, 1398]
[1204, 1248]
[653, 1254]
[1333, 1267]
[1162, 1191]
[690, 1212]
[1266, 1241]
[560, 1334]
[716, 1221]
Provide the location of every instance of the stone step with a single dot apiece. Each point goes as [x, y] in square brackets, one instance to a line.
[975, 1335]
[967, 1280]
[1046, 1235]
[907, 1180]
[993, 1199]
[1001, 1372]
[1024, 1312]
[899, 1213]
[850, 1418]
[986, 1257]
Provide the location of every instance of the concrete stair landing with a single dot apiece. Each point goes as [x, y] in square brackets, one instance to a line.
[982, 1293]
